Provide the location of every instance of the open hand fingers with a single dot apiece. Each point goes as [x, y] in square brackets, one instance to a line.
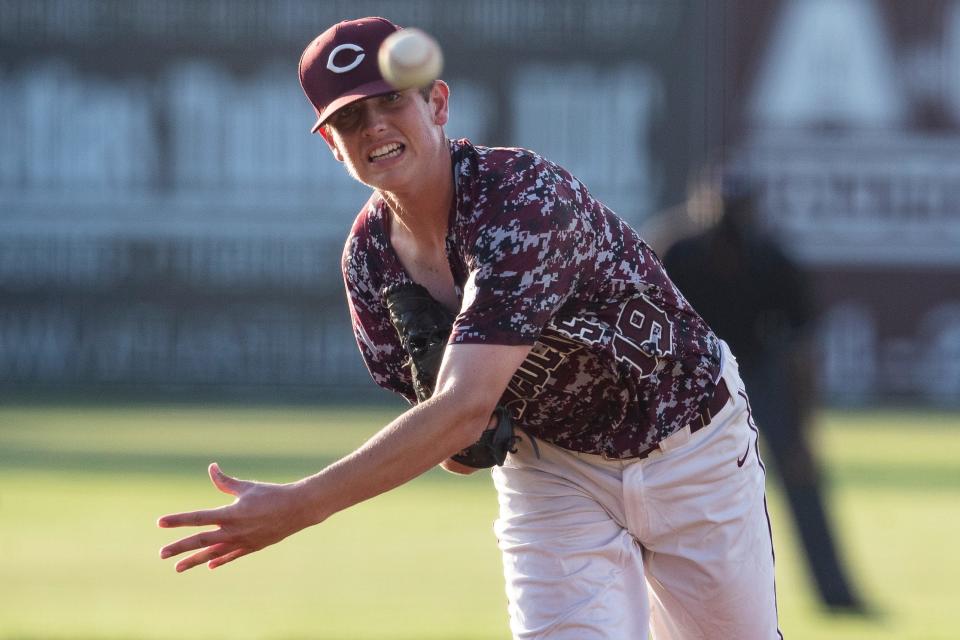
[227, 557]
[206, 555]
[196, 541]
[200, 518]
[225, 483]
[262, 514]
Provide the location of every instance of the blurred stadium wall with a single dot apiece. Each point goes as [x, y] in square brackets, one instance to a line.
[167, 221]
[847, 114]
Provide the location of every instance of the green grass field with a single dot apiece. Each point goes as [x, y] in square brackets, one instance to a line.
[81, 487]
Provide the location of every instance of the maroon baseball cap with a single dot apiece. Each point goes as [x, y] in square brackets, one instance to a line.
[340, 65]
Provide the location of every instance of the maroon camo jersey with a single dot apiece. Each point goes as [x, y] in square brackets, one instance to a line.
[619, 361]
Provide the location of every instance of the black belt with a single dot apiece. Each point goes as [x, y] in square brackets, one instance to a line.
[721, 395]
[719, 400]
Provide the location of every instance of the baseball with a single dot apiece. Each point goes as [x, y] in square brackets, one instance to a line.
[410, 58]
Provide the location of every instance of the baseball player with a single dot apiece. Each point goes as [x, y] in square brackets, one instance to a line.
[619, 433]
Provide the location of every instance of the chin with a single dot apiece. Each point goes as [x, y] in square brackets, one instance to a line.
[372, 181]
[391, 181]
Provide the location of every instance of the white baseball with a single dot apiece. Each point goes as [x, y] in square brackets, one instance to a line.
[410, 58]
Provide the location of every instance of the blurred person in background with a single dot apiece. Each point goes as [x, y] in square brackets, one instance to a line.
[750, 291]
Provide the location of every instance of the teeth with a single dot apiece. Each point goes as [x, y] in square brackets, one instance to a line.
[386, 151]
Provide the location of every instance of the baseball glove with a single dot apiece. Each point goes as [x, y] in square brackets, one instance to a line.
[424, 326]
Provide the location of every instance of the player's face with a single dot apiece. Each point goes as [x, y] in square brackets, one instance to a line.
[385, 140]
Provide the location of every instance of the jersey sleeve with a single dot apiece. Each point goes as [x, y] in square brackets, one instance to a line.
[531, 245]
[376, 337]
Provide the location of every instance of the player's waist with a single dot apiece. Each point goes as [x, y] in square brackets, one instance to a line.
[708, 411]
[704, 417]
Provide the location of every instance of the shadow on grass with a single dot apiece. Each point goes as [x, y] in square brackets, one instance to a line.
[908, 476]
[279, 467]
[264, 467]
[105, 462]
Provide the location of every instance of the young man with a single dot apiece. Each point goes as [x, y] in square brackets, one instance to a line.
[634, 498]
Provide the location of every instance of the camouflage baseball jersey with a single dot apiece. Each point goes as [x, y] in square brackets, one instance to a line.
[619, 361]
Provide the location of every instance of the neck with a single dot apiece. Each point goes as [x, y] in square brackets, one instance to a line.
[422, 211]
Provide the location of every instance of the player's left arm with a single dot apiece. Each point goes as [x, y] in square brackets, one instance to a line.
[471, 380]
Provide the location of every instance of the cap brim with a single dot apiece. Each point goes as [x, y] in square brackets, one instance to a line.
[375, 88]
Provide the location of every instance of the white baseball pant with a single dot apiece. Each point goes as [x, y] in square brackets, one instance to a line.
[678, 543]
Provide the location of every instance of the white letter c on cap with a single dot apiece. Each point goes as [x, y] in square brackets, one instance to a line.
[353, 65]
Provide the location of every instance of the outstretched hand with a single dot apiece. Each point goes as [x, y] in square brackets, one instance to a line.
[262, 514]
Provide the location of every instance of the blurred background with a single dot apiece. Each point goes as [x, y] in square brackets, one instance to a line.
[168, 222]
[170, 236]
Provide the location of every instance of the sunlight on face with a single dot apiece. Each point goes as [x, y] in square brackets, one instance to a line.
[402, 116]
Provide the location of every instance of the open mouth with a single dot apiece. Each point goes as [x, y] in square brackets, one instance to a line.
[391, 150]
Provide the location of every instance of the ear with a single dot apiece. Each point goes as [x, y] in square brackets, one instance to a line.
[328, 138]
[440, 102]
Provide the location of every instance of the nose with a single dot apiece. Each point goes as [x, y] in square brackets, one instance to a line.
[373, 119]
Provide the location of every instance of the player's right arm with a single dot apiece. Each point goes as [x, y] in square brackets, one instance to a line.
[472, 379]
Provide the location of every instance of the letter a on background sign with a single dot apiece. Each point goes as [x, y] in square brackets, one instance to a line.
[828, 62]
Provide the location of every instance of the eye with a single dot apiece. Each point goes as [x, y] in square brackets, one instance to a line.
[346, 118]
[392, 97]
